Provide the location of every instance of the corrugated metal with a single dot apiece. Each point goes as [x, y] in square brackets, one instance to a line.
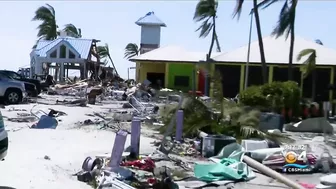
[150, 19]
[82, 46]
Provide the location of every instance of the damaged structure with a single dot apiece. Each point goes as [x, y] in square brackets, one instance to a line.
[178, 66]
[56, 57]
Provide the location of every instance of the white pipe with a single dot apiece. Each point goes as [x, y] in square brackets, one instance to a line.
[275, 175]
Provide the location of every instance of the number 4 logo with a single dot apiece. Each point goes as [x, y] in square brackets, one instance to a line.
[302, 157]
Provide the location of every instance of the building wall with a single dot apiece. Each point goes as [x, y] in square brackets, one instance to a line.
[145, 68]
[150, 35]
[179, 69]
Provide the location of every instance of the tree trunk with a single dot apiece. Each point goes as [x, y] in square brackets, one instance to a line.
[213, 37]
[291, 52]
[261, 44]
[292, 40]
[207, 66]
[314, 77]
[113, 65]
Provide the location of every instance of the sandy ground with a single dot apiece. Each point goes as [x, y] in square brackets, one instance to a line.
[67, 146]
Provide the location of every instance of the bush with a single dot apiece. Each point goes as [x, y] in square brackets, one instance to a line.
[275, 96]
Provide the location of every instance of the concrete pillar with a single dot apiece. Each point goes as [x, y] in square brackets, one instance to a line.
[179, 125]
[135, 138]
[118, 148]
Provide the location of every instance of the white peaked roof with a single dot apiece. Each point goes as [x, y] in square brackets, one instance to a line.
[172, 54]
[150, 20]
[277, 51]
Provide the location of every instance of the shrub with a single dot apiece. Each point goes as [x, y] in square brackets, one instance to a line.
[276, 95]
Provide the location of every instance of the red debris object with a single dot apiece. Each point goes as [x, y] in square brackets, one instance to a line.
[151, 181]
[143, 164]
[307, 185]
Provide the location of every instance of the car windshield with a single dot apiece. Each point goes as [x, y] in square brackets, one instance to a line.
[3, 76]
[13, 75]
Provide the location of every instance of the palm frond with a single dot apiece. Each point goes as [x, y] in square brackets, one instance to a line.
[286, 19]
[73, 31]
[48, 28]
[218, 48]
[238, 8]
[131, 50]
[266, 3]
[309, 64]
[204, 12]
[102, 51]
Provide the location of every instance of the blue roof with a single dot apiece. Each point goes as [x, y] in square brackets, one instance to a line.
[150, 20]
[82, 46]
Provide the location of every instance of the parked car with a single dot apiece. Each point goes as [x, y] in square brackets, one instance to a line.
[12, 91]
[32, 86]
[3, 139]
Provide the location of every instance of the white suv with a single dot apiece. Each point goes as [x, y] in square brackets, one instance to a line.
[3, 139]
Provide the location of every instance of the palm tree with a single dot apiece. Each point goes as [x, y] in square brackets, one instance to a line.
[73, 31]
[237, 12]
[131, 50]
[206, 12]
[308, 67]
[285, 26]
[104, 52]
[48, 28]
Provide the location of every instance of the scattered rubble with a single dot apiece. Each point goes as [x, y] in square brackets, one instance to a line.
[178, 162]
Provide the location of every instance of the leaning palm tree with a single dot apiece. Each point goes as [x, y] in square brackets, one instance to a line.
[285, 26]
[206, 12]
[237, 12]
[131, 50]
[48, 28]
[308, 67]
[104, 53]
[73, 31]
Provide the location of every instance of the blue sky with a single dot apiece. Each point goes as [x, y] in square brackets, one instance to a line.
[113, 22]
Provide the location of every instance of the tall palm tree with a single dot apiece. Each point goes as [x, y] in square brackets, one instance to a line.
[48, 28]
[206, 12]
[285, 26]
[237, 12]
[73, 31]
[131, 50]
[104, 52]
[308, 67]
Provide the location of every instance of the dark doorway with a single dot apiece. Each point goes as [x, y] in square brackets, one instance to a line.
[157, 79]
[230, 79]
[281, 74]
[322, 85]
[255, 75]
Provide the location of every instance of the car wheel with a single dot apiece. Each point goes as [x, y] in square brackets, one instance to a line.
[13, 96]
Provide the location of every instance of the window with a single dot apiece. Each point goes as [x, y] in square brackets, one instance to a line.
[63, 51]
[53, 54]
[71, 55]
[181, 81]
[14, 75]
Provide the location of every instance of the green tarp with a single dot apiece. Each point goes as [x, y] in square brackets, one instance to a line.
[229, 166]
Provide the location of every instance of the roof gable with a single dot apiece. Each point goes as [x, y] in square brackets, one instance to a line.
[277, 51]
[81, 46]
[150, 20]
[67, 44]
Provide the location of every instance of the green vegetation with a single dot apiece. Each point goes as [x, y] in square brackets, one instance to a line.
[220, 117]
[273, 97]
